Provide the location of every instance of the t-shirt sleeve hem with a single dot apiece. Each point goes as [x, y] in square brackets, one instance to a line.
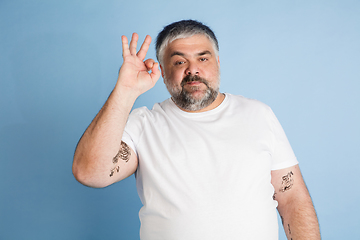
[127, 139]
[289, 163]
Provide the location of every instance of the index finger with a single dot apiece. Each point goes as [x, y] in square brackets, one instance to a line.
[125, 46]
[144, 48]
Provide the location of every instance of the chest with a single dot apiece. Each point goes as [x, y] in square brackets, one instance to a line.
[231, 148]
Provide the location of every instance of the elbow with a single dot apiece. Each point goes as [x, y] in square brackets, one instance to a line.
[77, 174]
[86, 177]
[80, 175]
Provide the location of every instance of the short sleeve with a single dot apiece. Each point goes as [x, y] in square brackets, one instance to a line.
[282, 155]
[134, 128]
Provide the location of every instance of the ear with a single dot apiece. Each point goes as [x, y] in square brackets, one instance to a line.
[162, 71]
[218, 60]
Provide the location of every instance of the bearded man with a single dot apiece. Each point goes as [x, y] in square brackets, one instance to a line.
[208, 165]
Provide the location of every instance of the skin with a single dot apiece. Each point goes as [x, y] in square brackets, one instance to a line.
[192, 56]
[101, 141]
[93, 163]
[101, 158]
[294, 204]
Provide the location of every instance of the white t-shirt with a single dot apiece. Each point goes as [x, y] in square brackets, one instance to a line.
[208, 175]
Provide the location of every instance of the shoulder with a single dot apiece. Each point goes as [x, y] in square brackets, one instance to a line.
[246, 103]
[139, 111]
[144, 113]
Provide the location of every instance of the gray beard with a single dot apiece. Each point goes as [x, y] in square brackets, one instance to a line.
[184, 99]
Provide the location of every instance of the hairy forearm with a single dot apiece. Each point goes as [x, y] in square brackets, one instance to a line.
[93, 159]
[299, 220]
[96, 156]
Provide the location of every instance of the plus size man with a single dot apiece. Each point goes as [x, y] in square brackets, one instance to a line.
[208, 165]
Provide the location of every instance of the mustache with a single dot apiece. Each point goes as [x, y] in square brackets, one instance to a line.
[193, 78]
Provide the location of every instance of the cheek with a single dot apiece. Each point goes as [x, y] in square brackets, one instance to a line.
[171, 85]
[174, 77]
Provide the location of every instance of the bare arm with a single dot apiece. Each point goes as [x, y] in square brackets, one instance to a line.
[101, 158]
[295, 205]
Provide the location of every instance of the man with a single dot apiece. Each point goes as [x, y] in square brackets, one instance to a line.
[208, 165]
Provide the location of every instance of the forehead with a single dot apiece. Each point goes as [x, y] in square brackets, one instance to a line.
[190, 45]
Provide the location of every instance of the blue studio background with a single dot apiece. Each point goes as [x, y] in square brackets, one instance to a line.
[59, 61]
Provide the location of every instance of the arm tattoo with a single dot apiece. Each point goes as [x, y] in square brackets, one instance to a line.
[274, 198]
[124, 154]
[112, 171]
[287, 182]
[289, 231]
[282, 221]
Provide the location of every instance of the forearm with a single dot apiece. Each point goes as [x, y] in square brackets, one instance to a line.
[294, 204]
[97, 155]
[102, 140]
[299, 220]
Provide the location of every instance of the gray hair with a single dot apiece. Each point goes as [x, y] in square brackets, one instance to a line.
[183, 29]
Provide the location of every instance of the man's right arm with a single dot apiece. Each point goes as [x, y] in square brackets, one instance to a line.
[101, 158]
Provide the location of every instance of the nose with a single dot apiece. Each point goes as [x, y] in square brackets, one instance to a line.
[192, 69]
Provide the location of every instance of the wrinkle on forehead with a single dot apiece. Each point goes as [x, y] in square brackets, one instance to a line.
[197, 45]
[168, 42]
[177, 53]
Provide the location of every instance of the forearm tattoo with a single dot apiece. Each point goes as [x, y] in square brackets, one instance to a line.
[287, 182]
[123, 154]
[289, 232]
[288, 226]
[289, 229]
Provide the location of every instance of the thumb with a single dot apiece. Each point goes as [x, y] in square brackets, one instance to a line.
[149, 63]
[155, 72]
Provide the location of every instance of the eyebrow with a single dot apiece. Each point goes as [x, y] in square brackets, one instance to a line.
[204, 53]
[176, 53]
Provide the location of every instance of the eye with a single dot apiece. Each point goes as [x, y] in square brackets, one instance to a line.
[179, 63]
[203, 59]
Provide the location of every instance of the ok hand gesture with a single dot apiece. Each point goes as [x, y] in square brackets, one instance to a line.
[137, 75]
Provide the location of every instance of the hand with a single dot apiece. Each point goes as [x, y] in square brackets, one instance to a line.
[136, 74]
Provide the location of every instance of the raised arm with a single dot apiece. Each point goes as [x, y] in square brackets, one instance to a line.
[295, 205]
[101, 158]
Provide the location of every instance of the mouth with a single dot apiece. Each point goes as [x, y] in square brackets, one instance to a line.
[193, 83]
[192, 80]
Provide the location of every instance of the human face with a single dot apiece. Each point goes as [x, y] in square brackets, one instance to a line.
[191, 72]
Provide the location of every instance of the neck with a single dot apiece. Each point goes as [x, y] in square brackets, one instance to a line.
[218, 100]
